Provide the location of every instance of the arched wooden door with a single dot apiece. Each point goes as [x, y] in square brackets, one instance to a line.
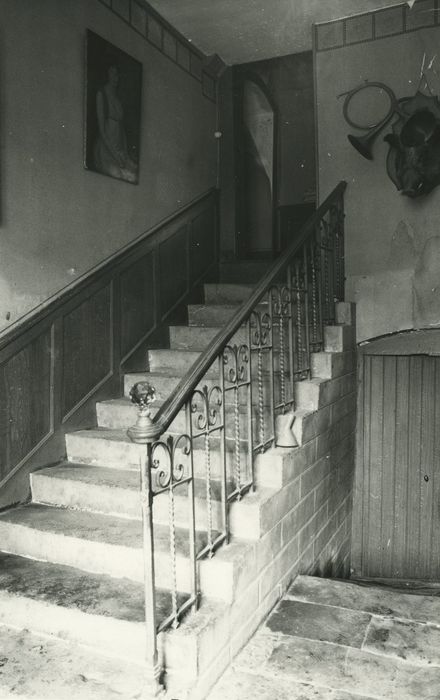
[256, 153]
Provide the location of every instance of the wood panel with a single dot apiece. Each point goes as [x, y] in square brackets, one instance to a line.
[26, 401]
[137, 302]
[55, 365]
[173, 266]
[399, 467]
[87, 348]
[202, 243]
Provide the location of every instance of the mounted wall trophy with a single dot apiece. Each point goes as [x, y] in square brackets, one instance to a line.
[413, 161]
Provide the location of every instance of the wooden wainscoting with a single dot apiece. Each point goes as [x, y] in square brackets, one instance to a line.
[58, 362]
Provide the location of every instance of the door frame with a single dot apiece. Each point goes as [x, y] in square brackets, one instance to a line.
[240, 77]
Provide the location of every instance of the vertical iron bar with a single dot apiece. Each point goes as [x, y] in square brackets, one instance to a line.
[250, 409]
[208, 487]
[320, 309]
[272, 370]
[153, 670]
[223, 464]
[192, 510]
[291, 335]
[237, 461]
[172, 531]
[306, 309]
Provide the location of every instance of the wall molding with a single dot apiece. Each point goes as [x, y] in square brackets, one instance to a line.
[377, 24]
[160, 34]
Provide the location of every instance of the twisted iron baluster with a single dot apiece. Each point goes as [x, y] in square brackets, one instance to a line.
[298, 318]
[282, 363]
[208, 493]
[260, 395]
[237, 444]
[172, 528]
[314, 295]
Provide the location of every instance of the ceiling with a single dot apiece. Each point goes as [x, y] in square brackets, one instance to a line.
[249, 30]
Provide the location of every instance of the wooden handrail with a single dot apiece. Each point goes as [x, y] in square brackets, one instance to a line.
[174, 403]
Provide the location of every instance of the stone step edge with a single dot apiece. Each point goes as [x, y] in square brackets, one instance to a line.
[238, 509]
[113, 637]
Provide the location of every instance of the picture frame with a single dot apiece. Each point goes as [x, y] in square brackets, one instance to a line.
[112, 112]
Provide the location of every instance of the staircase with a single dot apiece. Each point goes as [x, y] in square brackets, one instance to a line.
[331, 640]
[72, 565]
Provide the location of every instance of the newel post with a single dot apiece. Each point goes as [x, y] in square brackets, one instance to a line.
[145, 433]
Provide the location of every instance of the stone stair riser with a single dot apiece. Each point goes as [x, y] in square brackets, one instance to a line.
[166, 384]
[311, 395]
[223, 293]
[98, 451]
[326, 365]
[339, 338]
[108, 635]
[123, 415]
[217, 578]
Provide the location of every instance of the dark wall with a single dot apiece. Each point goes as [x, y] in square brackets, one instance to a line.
[289, 81]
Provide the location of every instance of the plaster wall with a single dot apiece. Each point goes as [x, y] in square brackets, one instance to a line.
[58, 220]
[392, 242]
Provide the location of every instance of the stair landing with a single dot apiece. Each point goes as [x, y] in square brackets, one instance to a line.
[336, 640]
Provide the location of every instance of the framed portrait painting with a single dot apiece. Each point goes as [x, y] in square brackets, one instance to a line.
[112, 110]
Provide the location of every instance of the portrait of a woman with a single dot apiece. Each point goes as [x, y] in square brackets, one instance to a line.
[113, 111]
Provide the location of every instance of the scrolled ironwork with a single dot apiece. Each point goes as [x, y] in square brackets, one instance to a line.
[236, 363]
[261, 328]
[205, 405]
[170, 469]
[281, 299]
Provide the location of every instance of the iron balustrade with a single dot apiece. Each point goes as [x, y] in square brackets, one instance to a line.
[232, 399]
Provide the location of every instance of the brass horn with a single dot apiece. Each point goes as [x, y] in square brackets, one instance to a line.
[363, 144]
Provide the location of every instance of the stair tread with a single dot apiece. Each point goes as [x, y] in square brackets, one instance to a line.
[118, 478]
[69, 587]
[38, 666]
[374, 600]
[95, 527]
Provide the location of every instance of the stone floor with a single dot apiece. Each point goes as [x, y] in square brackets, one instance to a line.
[36, 667]
[334, 640]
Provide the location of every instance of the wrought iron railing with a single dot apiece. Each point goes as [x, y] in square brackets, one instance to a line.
[238, 399]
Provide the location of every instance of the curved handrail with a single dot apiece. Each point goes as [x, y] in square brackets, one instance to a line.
[175, 402]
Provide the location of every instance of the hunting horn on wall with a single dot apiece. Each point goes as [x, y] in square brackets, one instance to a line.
[363, 144]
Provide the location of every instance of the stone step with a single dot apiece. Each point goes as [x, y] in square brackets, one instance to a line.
[177, 361]
[112, 546]
[329, 365]
[116, 492]
[212, 315]
[377, 600]
[339, 338]
[345, 313]
[227, 293]
[113, 448]
[313, 394]
[215, 314]
[41, 666]
[166, 382]
[246, 271]
[103, 613]
[121, 414]
[192, 337]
